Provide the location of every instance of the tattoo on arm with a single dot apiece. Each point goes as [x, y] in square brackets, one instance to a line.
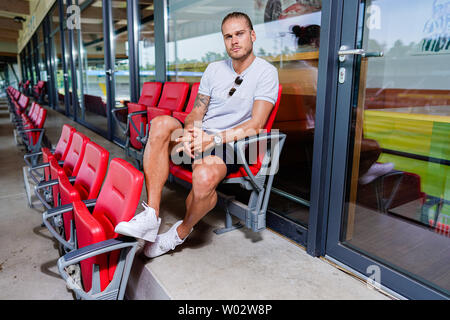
[202, 102]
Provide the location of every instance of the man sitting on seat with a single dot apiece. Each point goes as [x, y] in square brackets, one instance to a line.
[234, 101]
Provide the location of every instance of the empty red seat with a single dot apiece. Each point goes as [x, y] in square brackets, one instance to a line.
[59, 153]
[173, 98]
[32, 131]
[38, 89]
[70, 167]
[104, 258]
[137, 112]
[181, 115]
[86, 186]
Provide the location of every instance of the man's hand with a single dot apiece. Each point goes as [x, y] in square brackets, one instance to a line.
[202, 140]
[187, 140]
[195, 141]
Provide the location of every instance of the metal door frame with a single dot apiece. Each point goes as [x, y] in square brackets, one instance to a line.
[390, 277]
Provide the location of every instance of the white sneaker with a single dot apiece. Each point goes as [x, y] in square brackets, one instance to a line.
[164, 242]
[144, 225]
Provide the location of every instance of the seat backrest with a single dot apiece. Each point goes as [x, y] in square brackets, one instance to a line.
[256, 166]
[274, 111]
[75, 154]
[149, 97]
[139, 120]
[92, 171]
[181, 116]
[55, 172]
[116, 202]
[173, 96]
[39, 123]
[23, 102]
[87, 182]
[65, 139]
[150, 93]
[30, 112]
[192, 97]
[34, 116]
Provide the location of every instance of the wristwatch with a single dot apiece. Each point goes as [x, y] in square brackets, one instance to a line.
[217, 140]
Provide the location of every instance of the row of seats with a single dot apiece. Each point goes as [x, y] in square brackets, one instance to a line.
[156, 99]
[85, 200]
[29, 125]
[169, 99]
[39, 91]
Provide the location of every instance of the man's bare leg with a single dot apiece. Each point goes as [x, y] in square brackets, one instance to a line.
[156, 158]
[206, 176]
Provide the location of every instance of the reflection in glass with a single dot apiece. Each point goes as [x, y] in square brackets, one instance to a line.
[287, 35]
[146, 42]
[90, 64]
[121, 65]
[58, 71]
[398, 184]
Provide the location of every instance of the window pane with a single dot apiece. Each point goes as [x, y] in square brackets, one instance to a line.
[287, 35]
[146, 42]
[398, 194]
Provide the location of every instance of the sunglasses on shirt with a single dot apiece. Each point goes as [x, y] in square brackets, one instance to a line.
[237, 81]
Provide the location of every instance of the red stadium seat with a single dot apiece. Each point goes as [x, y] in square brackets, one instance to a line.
[86, 186]
[105, 260]
[181, 115]
[173, 98]
[59, 152]
[137, 112]
[70, 168]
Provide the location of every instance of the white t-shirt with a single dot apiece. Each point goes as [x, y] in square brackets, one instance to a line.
[260, 82]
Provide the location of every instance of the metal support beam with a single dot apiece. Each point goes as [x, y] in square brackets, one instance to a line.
[109, 49]
[160, 14]
[133, 48]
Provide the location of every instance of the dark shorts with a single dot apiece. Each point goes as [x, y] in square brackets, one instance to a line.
[232, 165]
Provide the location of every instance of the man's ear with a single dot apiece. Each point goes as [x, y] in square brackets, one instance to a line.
[253, 35]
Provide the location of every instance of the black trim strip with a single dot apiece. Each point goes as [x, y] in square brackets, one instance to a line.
[416, 156]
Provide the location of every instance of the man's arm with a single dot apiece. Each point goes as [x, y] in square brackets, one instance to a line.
[198, 111]
[195, 116]
[260, 113]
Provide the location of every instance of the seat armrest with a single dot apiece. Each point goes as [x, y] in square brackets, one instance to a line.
[46, 184]
[93, 250]
[270, 158]
[130, 120]
[114, 110]
[54, 212]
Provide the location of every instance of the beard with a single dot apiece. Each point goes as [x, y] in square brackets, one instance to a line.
[240, 55]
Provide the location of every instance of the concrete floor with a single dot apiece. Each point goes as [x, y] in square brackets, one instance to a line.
[236, 265]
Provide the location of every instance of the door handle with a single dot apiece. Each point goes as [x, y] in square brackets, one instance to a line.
[345, 51]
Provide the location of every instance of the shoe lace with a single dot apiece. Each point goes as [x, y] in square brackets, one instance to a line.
[142, 216]
[167, 243]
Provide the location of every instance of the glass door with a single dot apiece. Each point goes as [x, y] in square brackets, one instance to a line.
[121, 81]
[89, 62]
[389, 210]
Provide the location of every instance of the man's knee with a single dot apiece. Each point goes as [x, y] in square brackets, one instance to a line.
[204, 180]
[161, 128]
